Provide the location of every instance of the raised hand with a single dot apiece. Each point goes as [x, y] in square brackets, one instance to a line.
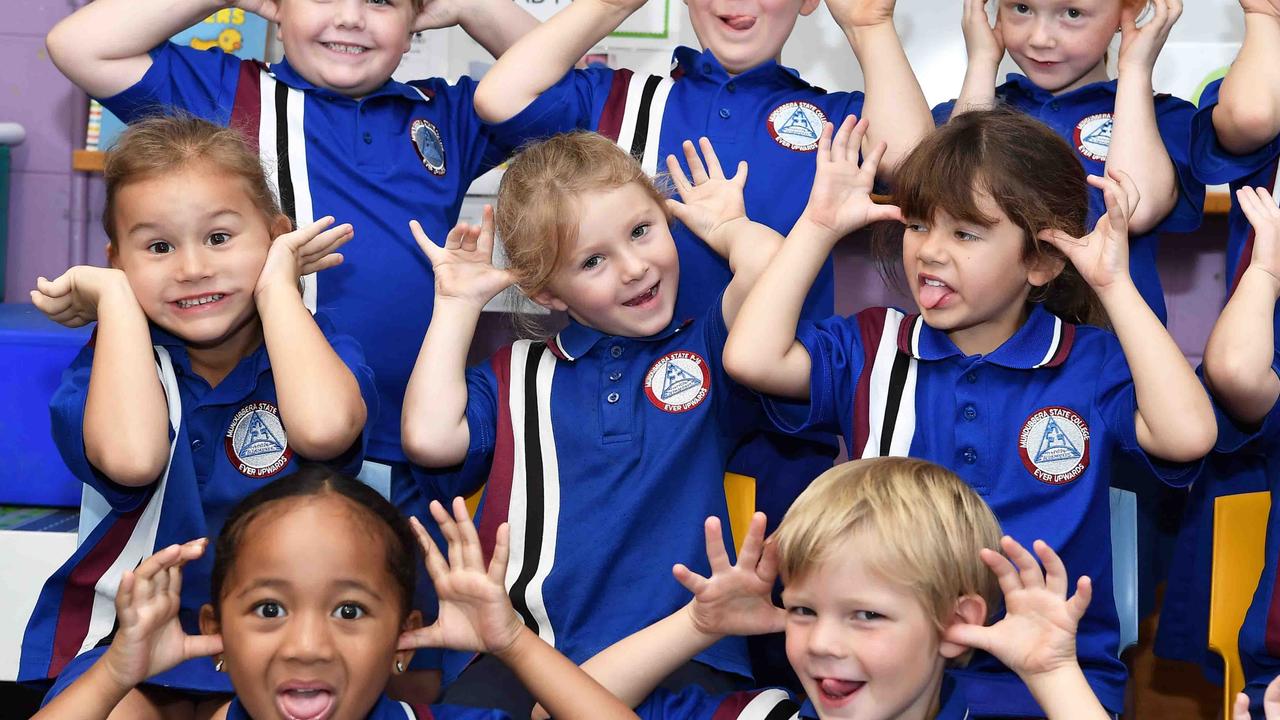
[464, 266]
[711, 205]
[269, 10]
[840, 201]
[1102, 256]
[304, 251]
[1264, 215]
[475, 612]
[149, 638]
[71, 299]
[437, 14]
[1038, 632]
[736, 599]
[851, 14]
[1140, 46]
[983, 42]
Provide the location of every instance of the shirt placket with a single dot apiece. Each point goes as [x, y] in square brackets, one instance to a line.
[616, 391]
[972, 443]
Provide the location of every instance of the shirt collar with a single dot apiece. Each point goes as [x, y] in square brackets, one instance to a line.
[258, 360]
[690, 62]
[285, 73]
[1044, 340]
[577, 339]
[1023, 85]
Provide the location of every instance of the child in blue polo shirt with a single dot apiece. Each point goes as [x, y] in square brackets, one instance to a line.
[206, 377]
[1235, 140]
[1113, 125]
[604, 446]
[1240, 367]
[310, 626]
[886, 587]
[993, 378]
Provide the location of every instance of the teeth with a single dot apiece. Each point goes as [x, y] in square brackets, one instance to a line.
[934, 283]
[200, 301]
[343, 48]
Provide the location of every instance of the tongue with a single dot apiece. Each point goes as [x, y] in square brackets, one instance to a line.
[931, 295]
[305, 705]
[740, 22]
[839, 688]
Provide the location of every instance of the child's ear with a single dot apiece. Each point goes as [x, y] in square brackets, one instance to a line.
[969, 610]
[549, 301]
[808, 6]
[113, 257]
[280, 225]
[1043, 268]
[209, 623]
[412, 622]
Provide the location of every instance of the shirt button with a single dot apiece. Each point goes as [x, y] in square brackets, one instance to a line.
[615, 376]
[970, 456]
[706, 67]
[731, 87]
[971, 377]
[970, 412]
[616, 351]
[197, 444]
[724, 113]
[368, 138]
[1055, 106]
[613, 398]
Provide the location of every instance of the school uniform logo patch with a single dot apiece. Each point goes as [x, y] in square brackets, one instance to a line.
[426, 140]
[1093, 136]
[796, 125]
[1054, 445]
[256, 442]
[678, 382]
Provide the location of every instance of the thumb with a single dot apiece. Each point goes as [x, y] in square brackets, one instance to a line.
[1061, 240]
[429, 248]
[978, 637]
[427, 637]
[879, 213]
[678, 210]
[201, 646]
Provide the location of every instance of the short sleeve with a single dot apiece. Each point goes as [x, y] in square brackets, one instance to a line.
[1173, 117]
[1117, 401]
[739, 409]
[1214, 164]
[942, 112]
[575, 102]
[836, 360]
[1260, 439]
[200, 82]
[66, 414]
[351, 353]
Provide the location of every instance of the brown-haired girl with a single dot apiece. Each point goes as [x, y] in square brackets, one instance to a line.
[993, 377]
[605, 445]
[206, 378]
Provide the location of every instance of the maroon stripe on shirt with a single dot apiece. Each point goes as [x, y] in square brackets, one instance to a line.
[76, 608]
[870, 327]
[614, 106]
[246, 110]
[733, 705]
[1064, 345]
[497, 493]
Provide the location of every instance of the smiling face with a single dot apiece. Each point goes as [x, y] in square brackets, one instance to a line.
[621, 274]
[192, 244]
[1060, 45]
[863, 647]
[971, 279]
[309, 620]
[745, 33]
[348, 46]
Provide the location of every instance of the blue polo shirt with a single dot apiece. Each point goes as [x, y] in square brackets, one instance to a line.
[605, 454]
[229, 442]
[405, 151]
[1083, 118]
[1259, 640]
[1033, 427]
[694, 703]
[768, 116]
[388, 709]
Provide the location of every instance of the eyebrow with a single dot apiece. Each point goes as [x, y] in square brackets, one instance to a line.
[273, 583]
[208, 217]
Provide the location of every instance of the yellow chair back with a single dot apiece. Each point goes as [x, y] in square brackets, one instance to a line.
[1239, 545]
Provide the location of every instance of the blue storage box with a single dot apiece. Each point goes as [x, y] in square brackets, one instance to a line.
[33, 353]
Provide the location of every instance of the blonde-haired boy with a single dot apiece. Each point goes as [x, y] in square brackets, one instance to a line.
[889, 578]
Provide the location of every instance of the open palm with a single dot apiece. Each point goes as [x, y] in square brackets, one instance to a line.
[1102, 256]
[464, 267]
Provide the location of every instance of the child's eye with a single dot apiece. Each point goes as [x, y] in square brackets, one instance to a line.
[159, 247]
[218, 238]
[1022, 8]
[867, 615]
[1074, 14]
[639, 231]
[916, 227]
[268, 609]
[349, 611]
[592, 262]
[801, 611]
[378, 2]
[965, 236]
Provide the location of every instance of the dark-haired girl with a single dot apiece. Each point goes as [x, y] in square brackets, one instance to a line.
[995, 376]
[311, 613]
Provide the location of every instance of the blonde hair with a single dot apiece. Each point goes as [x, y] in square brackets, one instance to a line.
[165, 144]
[537, 213]
[923, 527]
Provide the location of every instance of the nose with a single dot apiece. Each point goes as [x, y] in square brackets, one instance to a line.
[194, 264]
[825, 639]
[634, 266]
[349, 14]
[1042, 34]
[931, 248]
[307, 638]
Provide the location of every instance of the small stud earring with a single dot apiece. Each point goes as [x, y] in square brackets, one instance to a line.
[217, 666]
[399, 666]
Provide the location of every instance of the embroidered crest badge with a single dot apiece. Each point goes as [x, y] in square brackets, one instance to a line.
[796, 125]
[256, 442]
[1093, 136]
[678, 382]
[1054, 445]
[426, 140]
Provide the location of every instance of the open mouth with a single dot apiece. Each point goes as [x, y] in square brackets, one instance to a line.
[644, 298]
[834, 693]
[198, 301]
[345, 49]
[933, 292]
[738, 22]
[305, 703]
